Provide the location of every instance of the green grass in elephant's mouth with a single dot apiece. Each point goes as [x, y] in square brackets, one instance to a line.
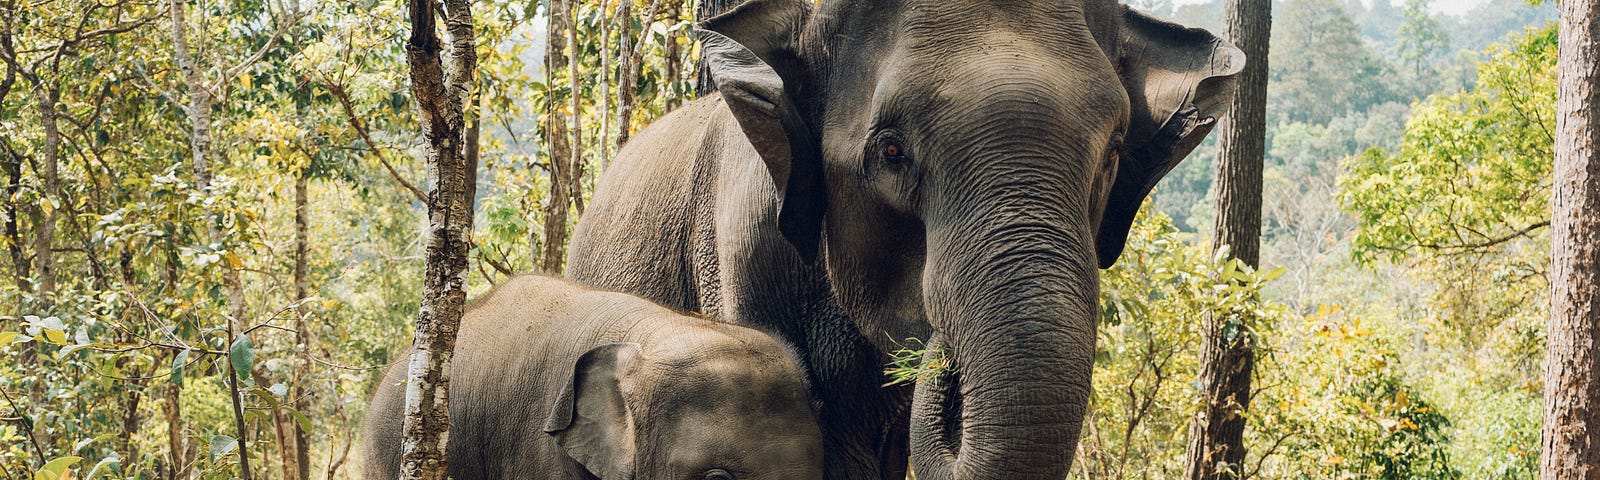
[914, 363]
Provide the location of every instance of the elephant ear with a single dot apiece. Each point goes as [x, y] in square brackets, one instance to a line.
[590, 419]
[1179, 81]
[751, 55]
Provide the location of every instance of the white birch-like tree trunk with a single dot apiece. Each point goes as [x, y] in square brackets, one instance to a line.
[440, 87]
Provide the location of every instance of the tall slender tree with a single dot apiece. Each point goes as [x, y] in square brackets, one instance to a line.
[442, 88]
[629, 55]
[1571, 439]
[552, 250]
[1227, 355]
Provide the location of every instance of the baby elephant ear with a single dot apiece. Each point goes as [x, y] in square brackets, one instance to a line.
[590, 419]
[750, 53]
[1179, 81]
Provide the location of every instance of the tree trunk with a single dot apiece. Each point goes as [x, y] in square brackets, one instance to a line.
[21, 265]
[177, 442]
[1216, 434]
[606, 25]
[575, 164]
[44, 232]
[673, 65]
[703, 85]
[1571, 437]
[553, 249]
[199, 113]
[624, 76]
[438, 86]
[301, 443]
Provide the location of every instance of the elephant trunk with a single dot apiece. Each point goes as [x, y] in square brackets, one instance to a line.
[1018, 321]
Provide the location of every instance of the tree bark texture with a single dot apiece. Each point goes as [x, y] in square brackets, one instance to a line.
[703, 85]
[624, 81]
[1571, 437]
[21, 264]
[553, 250]
[672, 65]
[301, 444]
[574, 164]
[606, 25]
[177, 440]
[50, 156]
[1227, 357]
[628, 58]
[439, 87]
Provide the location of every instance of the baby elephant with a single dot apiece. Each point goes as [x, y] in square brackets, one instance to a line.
[555, 381]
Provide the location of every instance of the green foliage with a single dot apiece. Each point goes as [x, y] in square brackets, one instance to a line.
[1421, 37]
[1462, 206]
[1320, 67]
[1473, 170]
[1152, 304]
[1341, 407]
[912, 364]
[132, 347]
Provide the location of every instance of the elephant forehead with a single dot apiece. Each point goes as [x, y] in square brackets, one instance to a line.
[719, 359]
[1008, 75]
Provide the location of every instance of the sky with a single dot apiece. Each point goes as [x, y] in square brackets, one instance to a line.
[1453, 7]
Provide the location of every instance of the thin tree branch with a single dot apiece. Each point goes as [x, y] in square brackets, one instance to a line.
[1490, 242]
[26, 426]
[361, 129]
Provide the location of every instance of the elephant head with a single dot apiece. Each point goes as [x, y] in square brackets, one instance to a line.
[688, 410]
[963, 166]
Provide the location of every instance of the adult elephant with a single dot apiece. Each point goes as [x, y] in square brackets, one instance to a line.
[960, 167]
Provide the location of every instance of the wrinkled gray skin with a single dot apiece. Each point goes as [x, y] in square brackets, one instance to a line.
[961, 168]
[554, 381]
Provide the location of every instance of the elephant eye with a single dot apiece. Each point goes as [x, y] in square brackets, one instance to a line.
[892, 151]
[717, 474]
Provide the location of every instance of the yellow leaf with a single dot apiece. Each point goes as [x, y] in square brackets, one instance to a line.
[57, 337]
[244, 80]
[233, 260]
[7, 337]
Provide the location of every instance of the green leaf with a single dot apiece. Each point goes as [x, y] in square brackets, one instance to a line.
[266, 396]
[302, 419]
[58, 469]
[67, 350]
[222, 445]
[242, 355]
[1273, 274]
[177, 367]
[112, 463]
